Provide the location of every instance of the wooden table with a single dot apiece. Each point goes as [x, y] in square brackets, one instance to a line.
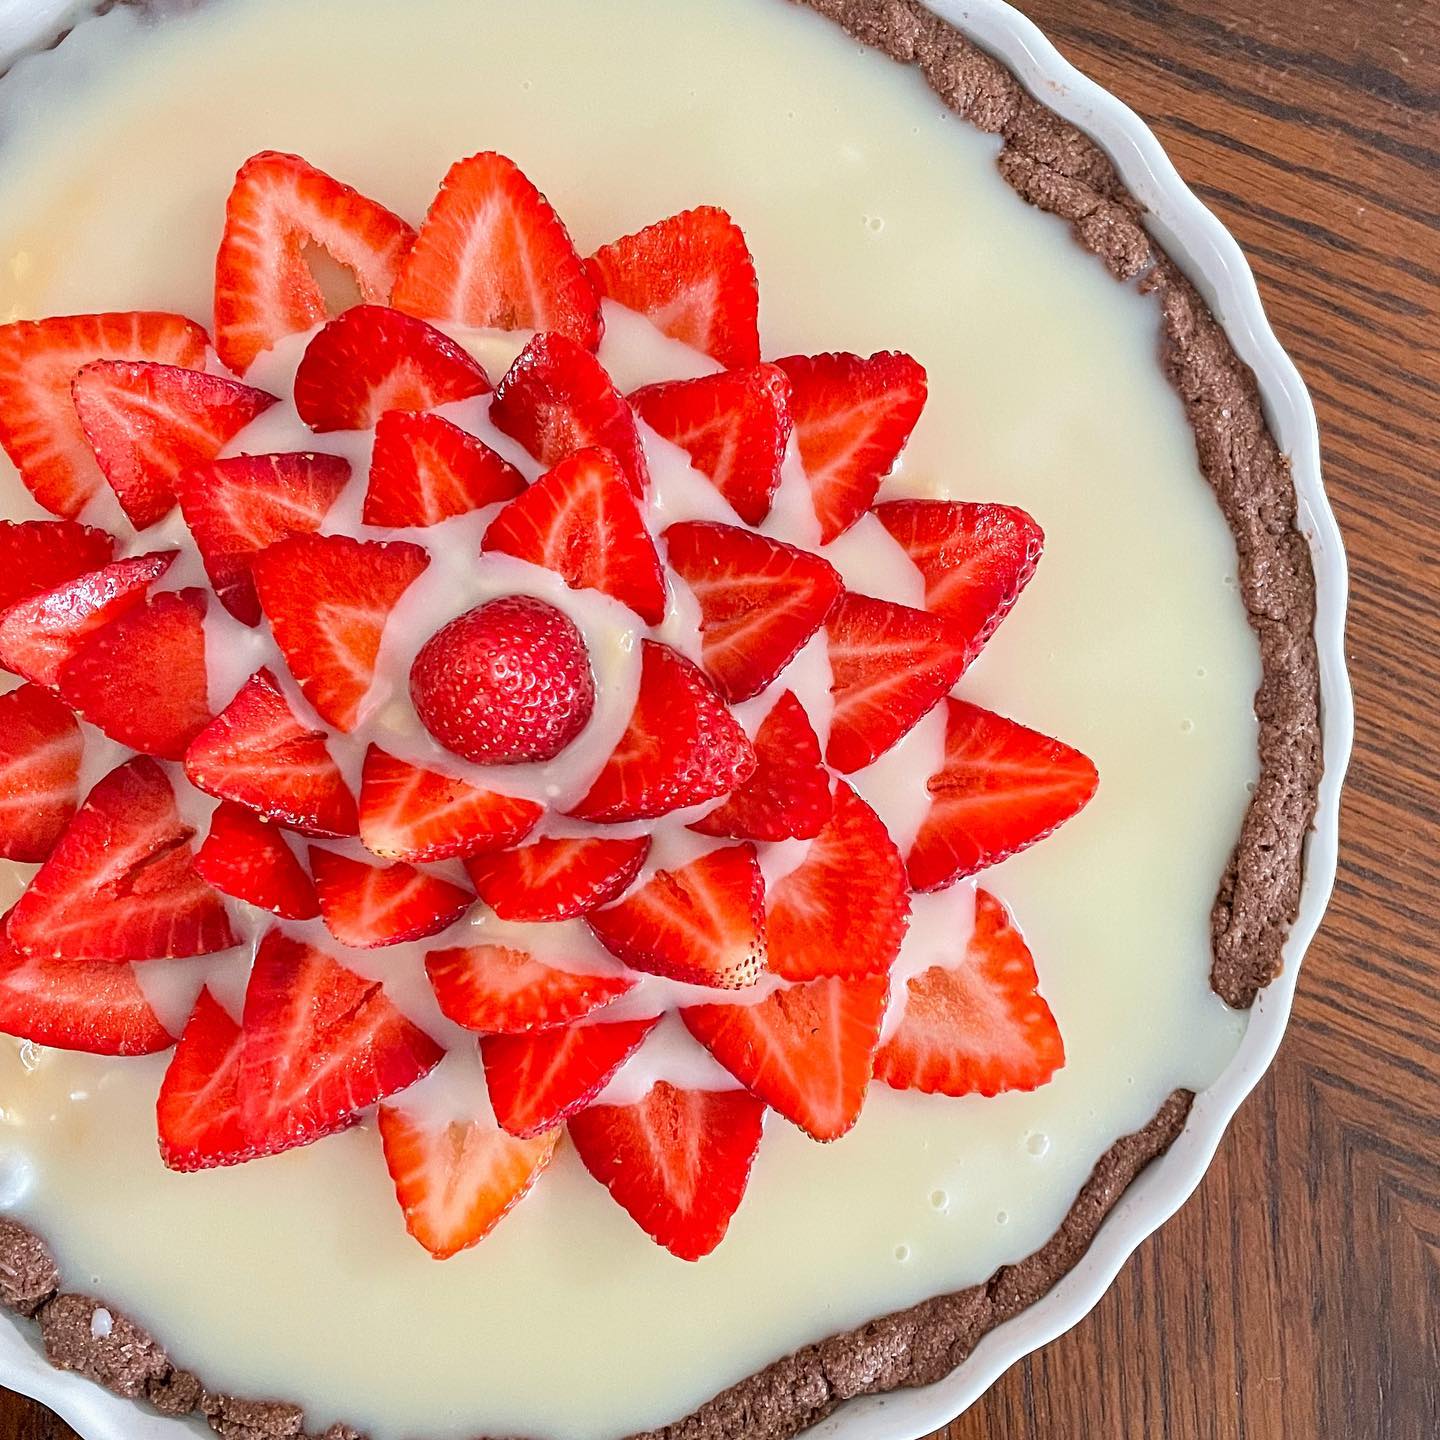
[1297, 1297]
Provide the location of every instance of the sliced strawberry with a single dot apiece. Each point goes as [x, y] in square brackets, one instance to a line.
[498, 990]
[692, 277]
[682, 746]
[39, 428]
[94, 1006]
[582, 521]
[142, 679]
[539, 1080]
[256, 753]
[760, 601]
[556, 399]
[978, 1027]
[852, 419]
[410, 813]
[38, 635]
[457, 1181]
[703, 924]
[494, 255]
[321, 1044]
[976, 559]
[734, 426]
[327, 598]
[38, 555]
[424, 470]
[198, 1112]
[1003, 787]
[148, 423]
[557, 879]
[677, 1161]
[264, 287]
[246, 857]
[806, 1051]
[788, 796]
[890, 666]
[845, 908]
[121, 883]
[369, 906]
[235, 508]
[371, 360]
[40, 750]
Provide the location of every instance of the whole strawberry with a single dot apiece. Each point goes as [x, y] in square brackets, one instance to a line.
[506, 683]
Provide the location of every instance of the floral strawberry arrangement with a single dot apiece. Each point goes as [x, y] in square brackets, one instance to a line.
[458, 688]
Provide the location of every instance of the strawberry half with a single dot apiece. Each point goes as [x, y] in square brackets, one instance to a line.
[978, 1027]
[760, 601]
[327, 598]
[806, 1051]
[40, 750]
[149, 423]
[410, 813]
[498, 990]
[734, 426]
[264, 287]
[141, 679]
[541, 1079]
[845, 908]
[235, 508]
[681, 747]
[457, 1181]
[556, 399]
[558, 878]
[890, 665]
[256, 753]
[692, 276]
[852, 419]
[424, 470]
[703, 924]
[94, 1006]
[38, 635]
[492, 254]
[582, 521]
[321, 1044]
[677, 1161]
[198, 1110]
[39, 428]
[976, 559]
[1002, 787]
[788, 796]
[38, 555]
[248, 858]
[370, 906]
[371, 360]
[121, 884]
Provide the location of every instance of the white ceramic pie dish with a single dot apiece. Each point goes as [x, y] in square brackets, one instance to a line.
[1200, 244]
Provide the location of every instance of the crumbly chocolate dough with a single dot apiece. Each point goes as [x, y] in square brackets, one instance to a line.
[1054, 167]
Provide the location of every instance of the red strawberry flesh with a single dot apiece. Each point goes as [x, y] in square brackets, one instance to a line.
[121, 884]
[681, 747]
[371, 360]
[424, 470]
[498, 990]
[40, 751]
[1002, 788]
[558, 878]
[677, 1161]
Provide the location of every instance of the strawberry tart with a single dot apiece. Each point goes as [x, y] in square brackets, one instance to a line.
[509, 753]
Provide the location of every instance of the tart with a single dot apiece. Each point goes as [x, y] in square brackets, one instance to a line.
[504, 744]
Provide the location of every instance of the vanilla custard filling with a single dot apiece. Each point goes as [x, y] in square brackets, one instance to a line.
[877, 221]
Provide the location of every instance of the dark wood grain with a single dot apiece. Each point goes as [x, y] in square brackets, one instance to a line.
[1298, 1296]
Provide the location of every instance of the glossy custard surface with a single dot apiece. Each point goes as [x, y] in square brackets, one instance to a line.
[877, 221]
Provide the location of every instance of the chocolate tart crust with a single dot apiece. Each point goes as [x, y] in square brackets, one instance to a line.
[1053, 166]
